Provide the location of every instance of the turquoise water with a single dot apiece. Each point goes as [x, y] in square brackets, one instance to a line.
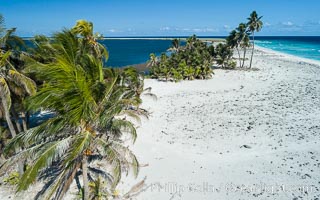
[306, 47]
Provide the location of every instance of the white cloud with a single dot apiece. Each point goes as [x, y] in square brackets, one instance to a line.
[267, 24]
[188, 30]
[288, 23]
[114, 31]
[166, 28]
[204, 30]
[226, 27]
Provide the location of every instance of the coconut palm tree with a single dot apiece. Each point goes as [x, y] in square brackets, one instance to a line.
[89, 39]
[233, 42]
[14, 86]
[224, 54]
[12, 82]
[153, 60]
[90, 106]
[254, 25]
[245, 43]
[175, 45]
[242, 33]
[192, 61]
[135, 82]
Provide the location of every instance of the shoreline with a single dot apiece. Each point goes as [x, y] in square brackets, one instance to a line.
[295, 57]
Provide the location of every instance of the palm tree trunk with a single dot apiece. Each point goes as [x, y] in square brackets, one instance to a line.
[24, 121]
[8, 119]
[16, 119]
[239, 57]
[252, 49]
[244, 56]
[18, 125]
[85, 177]
[13, 134]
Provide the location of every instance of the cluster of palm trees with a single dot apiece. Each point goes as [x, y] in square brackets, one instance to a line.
[94, 112]
[15, 87]
[192, 61]
[240, 37]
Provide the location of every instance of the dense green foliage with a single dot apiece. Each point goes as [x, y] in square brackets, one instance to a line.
[14, 88]
[90, 104]
[196, 58]
[192, 61]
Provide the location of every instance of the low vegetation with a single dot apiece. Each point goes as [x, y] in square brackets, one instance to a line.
[189, 62]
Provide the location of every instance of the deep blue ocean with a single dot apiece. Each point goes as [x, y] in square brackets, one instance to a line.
[133, 51]
[124, 52]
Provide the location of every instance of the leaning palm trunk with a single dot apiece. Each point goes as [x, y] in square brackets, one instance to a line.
[8, 119]
[13, 133]
[86, 191]
[252, 49]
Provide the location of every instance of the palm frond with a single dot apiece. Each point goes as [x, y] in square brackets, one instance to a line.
[81, 143]
[59, 184]
[124, 126]
[127, 157]
[4, 58]
[51, 152]
[118, 154]
[107, 176]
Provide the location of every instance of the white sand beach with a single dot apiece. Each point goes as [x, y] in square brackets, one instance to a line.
[240, 135]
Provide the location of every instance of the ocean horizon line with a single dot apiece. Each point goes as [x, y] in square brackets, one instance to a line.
[186, 36]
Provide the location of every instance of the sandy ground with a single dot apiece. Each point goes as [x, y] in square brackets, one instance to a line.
[241, 135]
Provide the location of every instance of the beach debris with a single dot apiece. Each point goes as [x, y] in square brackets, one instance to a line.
[246, 146]
[305, 176]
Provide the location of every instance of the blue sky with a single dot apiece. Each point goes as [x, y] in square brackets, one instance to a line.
[162, 17]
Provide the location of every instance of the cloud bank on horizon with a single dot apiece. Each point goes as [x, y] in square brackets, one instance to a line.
[162, 18]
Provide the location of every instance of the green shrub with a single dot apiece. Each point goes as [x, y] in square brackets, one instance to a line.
[192, 61]
[231, 64]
